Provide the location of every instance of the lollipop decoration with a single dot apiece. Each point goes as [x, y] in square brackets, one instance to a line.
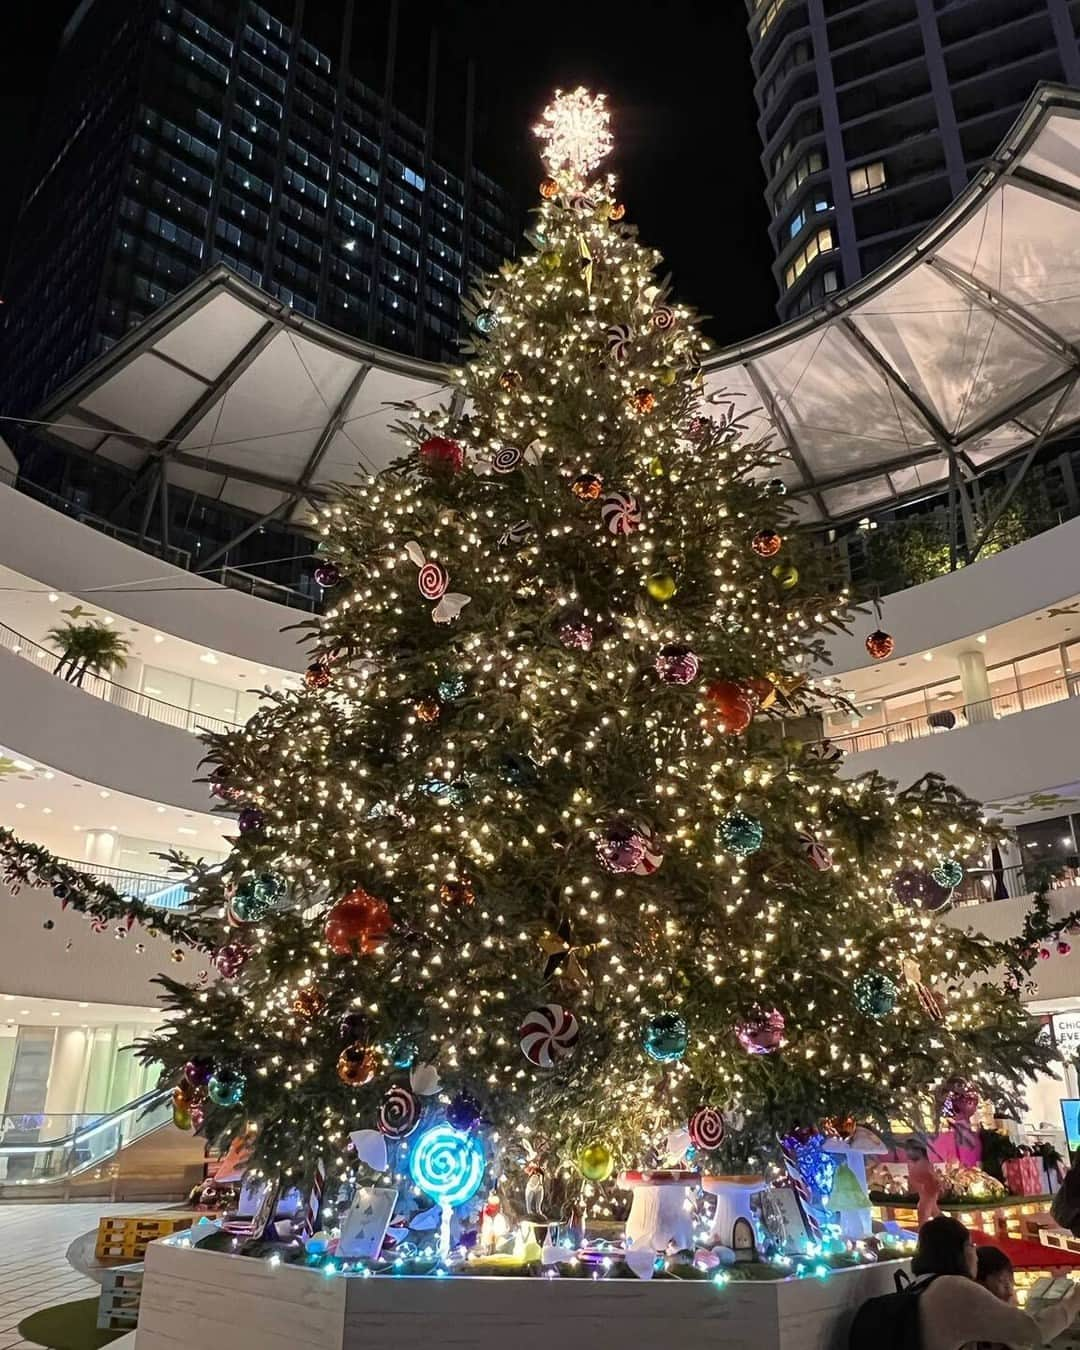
[448, 1166]
[706, 1127]
[432, 580]
[619, 337]
[621, 513]
[663, 318]
[506, 459]
[548, 1034]
[399, 1113]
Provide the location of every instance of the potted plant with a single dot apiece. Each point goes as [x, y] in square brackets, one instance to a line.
[85, 648]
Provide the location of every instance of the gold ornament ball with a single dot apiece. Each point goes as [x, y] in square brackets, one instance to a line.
[643, 400]
[427, 710]
[551, 261]
[510, 381]
[661, 585]
[457, 891]
[357, 1065]
[880, 644]
[786, 575]
[308, 1004]
[548, 188]
[767, 543]
[181, 1117]
[656, 467]
[177, 954]
[668, 377]
[587, 488]
[596, 1162]
[617, 211]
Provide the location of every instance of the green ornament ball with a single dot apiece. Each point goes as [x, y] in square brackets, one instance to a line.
[551, 261]
[874, 994]
[786, 575]
[661, 585]
[948, 874]
[595, 1161]
[656, 467]
[740, 834]
[665, 1037]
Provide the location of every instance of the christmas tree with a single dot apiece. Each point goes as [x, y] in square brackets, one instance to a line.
[533, 856]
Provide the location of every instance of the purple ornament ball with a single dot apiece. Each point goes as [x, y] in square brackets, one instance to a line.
[250, 819]
[354, 1026]
[762, 1032]
[677, 665]
[231, 958]
[464, 1112]
[327, 574]
[198, 1072]
[576, 634]
[620, 849]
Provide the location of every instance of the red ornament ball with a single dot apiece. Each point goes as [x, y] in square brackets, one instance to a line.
[731, 706]
[457, 891]
[616, 211]
[438, 454]
[427, 710]
[767, 543]
[357, 924]
[317, 675]
[1064, 948]
[880, 644]
[357, 1065]
[643, 400]
[510, 381]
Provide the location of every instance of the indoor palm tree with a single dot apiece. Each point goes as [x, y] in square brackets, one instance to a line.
[87, 647]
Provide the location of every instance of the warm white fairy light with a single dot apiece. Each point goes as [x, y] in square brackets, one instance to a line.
[576, 131]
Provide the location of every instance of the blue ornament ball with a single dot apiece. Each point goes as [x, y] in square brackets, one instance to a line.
[665, 1037]
[874, 994]
[464, 1112]
[226, 1087]
[740, 834]
[403, 1052]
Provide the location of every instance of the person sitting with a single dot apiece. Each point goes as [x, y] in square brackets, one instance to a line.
[994, 1271]
[955, 1310]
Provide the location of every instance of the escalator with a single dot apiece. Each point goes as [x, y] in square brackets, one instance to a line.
[132, 1153]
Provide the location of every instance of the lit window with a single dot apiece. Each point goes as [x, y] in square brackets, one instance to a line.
[822, 242]
[867, 178]
[769, 17]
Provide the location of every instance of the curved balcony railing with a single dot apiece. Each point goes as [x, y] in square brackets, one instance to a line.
[118, 694]
[952, 719]
[163, 892]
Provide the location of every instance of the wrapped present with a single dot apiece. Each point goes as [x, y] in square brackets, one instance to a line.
[1024, 1176]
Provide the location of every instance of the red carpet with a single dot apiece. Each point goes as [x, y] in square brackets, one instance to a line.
[1026, 1255]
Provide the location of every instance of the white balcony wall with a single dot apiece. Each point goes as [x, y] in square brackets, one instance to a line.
[1019, 581]
[995, 761]
[98, 968]
[51, 722]
[67, 556]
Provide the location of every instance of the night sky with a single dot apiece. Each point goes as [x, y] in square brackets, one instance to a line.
[679, 84]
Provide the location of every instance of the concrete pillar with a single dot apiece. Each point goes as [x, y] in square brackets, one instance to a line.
[975, 686]
[67, 1073]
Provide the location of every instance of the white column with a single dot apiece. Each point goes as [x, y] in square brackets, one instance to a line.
[99, 846]
[975, 686]
[66, 1072]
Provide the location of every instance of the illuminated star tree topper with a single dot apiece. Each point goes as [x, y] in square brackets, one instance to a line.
[576, 130]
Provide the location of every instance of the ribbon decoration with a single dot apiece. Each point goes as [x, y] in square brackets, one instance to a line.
[450, 603]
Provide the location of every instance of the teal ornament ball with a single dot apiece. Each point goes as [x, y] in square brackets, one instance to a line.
[403, 1052]
[450, 687]
[226, 1087]
[486, 320]
[874, 994]
[948, 873]
[250, 903]
[269, 888]
[740, 834]
[665, 1037]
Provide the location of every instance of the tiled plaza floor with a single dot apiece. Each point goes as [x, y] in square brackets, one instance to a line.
[34, 1272]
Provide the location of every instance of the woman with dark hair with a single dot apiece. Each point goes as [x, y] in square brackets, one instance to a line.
[954, 1309]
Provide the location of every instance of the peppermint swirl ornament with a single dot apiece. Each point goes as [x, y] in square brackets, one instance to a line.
[621, 512]
[506, 459]
[548, 1034]
[817, 855]
[619, 336]
[514, 536]
[663, 318]
[432, 580]
[706, 1127]
[399, 1113]
[652, 852]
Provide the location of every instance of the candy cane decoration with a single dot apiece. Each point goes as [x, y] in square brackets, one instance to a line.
[314, 1203]
[801, 1187]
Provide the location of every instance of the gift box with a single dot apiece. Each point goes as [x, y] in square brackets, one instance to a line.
[1024, 1176]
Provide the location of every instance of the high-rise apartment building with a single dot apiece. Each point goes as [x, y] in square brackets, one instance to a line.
[183, 133]
[874, 115]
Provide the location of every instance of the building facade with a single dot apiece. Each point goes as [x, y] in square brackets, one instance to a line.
[184, 133]
[874, 115]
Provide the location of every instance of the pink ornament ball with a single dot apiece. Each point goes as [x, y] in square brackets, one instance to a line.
[1064, 948]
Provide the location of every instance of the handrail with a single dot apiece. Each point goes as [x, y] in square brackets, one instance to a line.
[152, 889]
[984, 710]
[98, 686]
[143, 1104]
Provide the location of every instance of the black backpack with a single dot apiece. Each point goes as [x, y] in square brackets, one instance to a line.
[890, 1321]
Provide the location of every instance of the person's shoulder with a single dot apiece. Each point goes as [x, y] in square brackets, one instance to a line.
[951, 1286]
